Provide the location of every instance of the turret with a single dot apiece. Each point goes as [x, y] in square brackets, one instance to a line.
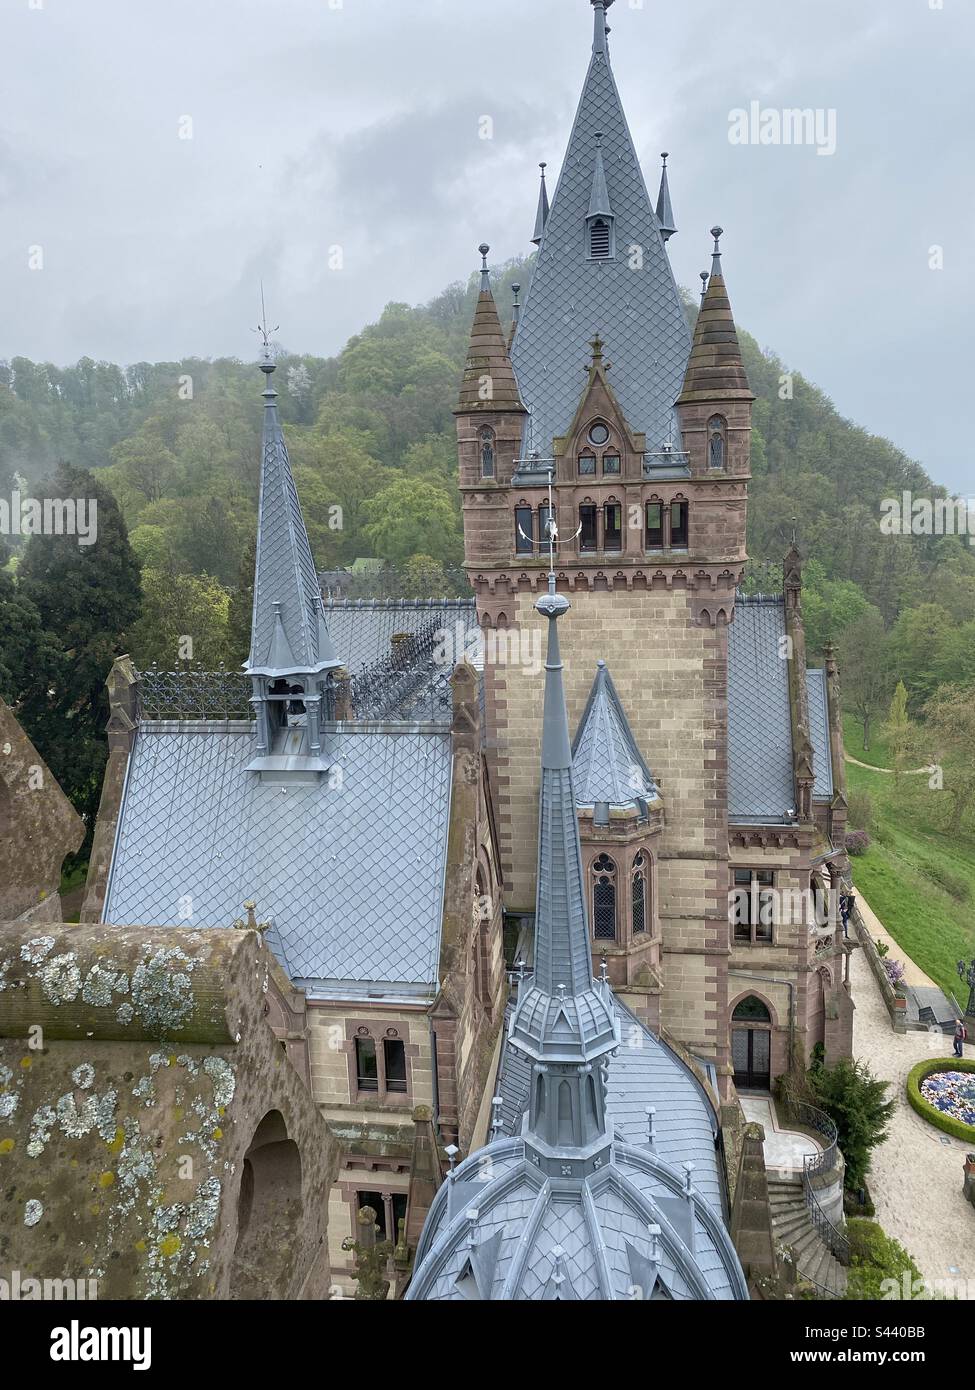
[291, 653]
[490, 422]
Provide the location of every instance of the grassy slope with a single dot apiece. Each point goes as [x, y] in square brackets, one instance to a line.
[876, 755]
[898, 874]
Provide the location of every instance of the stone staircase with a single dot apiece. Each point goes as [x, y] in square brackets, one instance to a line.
[792, 1226]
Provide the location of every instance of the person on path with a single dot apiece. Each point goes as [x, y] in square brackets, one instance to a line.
[961, 1037]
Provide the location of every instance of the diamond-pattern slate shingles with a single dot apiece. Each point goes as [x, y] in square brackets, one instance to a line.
[760, 769]
[351, 875]
[819, 735]
[285, 572]
[631, 301]
[362, 630]
[607, 766]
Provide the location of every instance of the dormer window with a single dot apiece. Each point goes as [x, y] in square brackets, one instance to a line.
[611, 465]
[717, 442]
[487, 453]
[601, 239]
[599, 434]
[587, 465]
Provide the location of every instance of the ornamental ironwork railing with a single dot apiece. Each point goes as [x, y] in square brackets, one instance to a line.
[412, 681]
[818, 1165]
[194, 694]
[764, 578]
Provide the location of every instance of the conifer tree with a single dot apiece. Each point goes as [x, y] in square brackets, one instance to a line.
[86, 597]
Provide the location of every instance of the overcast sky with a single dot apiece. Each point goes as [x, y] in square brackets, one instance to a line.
[356, 123]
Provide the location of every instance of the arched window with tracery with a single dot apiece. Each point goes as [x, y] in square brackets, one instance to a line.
[604, 898]
[487, 453]
[639, 894]
[717, 442]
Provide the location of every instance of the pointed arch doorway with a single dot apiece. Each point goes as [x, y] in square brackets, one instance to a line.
[751, 1044]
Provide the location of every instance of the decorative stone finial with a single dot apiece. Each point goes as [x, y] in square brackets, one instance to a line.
[717, 233]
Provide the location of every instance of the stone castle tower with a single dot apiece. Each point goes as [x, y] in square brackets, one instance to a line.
[645, 437]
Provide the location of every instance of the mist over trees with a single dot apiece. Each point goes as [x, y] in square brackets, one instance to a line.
[174, 451]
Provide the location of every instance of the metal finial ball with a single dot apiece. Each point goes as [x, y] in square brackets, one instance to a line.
[665, 155]
[717, 232]
[484, 248]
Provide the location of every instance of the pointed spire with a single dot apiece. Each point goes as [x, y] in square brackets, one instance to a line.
[515, 313]
[715, 370]
[541, 216]
[599, 204]
[489, 379]
[601, 28]
[572, 291]
[289, 635]
[665, 211]
[564, 1019]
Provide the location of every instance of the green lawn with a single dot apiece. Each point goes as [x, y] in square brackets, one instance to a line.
[919, 880]
[877, 754]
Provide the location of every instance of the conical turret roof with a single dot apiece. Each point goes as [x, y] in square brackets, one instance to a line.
[489, 379]
[715, 370]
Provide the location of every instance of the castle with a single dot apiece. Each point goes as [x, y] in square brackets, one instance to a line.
[385, 821]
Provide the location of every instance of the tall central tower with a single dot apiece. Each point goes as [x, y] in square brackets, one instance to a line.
[645, 435]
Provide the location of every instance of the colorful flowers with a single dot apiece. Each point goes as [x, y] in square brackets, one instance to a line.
[951, 1092]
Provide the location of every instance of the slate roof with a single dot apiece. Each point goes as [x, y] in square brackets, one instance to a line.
[506, 1233]
[643, 1072]
[607, 765]
[362, 630]
[351, 875]
[761, 785]
[638, 313]
[819, 734]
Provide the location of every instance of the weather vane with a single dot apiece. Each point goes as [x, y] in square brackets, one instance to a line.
[262, 327]
[550, 540]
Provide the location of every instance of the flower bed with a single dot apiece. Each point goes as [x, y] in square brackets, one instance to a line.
[942, 1091]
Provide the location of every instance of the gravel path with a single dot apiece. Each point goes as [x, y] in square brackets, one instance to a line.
[916, 1176]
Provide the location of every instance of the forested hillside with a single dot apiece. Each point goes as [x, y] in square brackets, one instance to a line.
[372, 442]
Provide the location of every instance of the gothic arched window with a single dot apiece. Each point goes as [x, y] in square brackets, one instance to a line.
[717, 442]
[604, 899]
[639, 886]
[487, 453]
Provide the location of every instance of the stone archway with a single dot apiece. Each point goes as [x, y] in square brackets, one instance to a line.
[269, 1210]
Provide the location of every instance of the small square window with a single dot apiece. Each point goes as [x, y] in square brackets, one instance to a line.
[611, 463]
[587, 465]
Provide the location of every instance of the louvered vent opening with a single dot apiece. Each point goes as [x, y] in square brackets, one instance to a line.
[599, 240]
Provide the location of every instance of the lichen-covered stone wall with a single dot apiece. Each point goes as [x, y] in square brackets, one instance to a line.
[136, 1069]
